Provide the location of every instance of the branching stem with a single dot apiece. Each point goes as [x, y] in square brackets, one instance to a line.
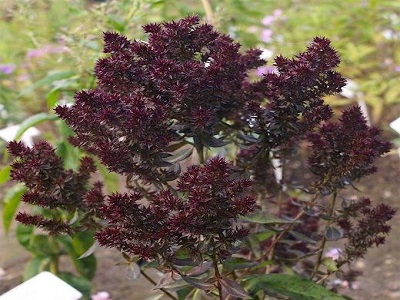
[323, 242]
[154, 283]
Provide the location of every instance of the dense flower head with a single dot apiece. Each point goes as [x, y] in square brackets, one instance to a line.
[49, 184]
[183, 81]
[294, 94]
[363, 225]
[199, 217]
[344, 151]
[286, 105]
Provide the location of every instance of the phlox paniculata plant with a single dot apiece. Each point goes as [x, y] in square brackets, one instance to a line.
[224, 226]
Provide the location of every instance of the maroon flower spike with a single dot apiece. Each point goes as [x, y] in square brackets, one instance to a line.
[365, 226]
[345, 151]
[49, 184]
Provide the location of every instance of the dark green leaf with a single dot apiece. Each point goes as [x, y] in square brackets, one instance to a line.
[91, 250]
[83, 243]
[10, 204]
[295, 287]
[24, 235]
[35, 266]
[44, 245]
[236, 263]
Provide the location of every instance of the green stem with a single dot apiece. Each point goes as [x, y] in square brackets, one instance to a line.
[324, 240]
[154, 283]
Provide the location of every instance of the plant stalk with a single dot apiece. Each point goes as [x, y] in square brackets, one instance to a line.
[324, 240]
[154, 283]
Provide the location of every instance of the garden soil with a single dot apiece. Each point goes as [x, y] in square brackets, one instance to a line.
[380, 269]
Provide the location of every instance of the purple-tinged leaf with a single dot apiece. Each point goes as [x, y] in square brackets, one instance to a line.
[165, 280]
[333, 234]
[201, 269]
[233, 288]
[198, 283]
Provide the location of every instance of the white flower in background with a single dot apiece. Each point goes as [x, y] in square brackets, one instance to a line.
[350, 89]
[8, 134]
[266, 53]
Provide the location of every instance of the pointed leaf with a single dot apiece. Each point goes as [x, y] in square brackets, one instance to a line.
[201, 269]
[164, 281]
[179, 156]
[264, 218]
[197, 283]
[32, 121]
[236, 263]
[5, 174]
[48, 80]
[91, 250]
[292, 286]
[10, 204]
[210, 141]
[302, 237]
[232, 288]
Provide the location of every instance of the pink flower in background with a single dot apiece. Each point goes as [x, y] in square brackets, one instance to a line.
[266, 35]
[265, 70]
[334, 253]
[47, 49]
[7, 68]
[101, 296]
[277, 13]
[268, 20]
[397, 68]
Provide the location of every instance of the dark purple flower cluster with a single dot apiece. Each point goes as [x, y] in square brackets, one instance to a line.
[50, 185]
[183, 82]
[365, 226]
[294, 106]
[198, 218]
[295, 93]
[344, 151]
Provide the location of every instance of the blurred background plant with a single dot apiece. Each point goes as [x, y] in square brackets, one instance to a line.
[49, 47]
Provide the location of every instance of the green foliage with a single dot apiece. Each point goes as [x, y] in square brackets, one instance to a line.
[10, 204]
[294, 287]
